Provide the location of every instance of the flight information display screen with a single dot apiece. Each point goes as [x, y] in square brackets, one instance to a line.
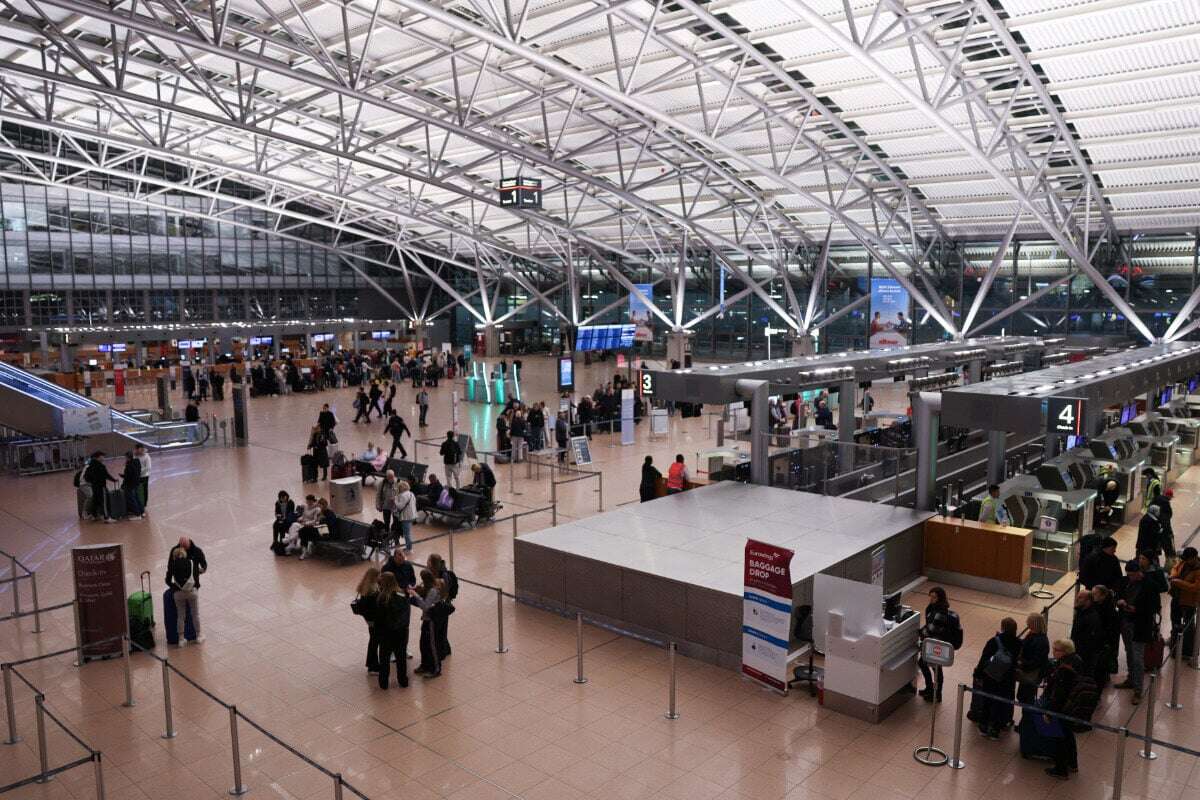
[604, 337]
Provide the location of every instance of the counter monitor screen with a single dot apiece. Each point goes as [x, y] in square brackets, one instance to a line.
[1126, 414]
[1192, 384]
[1076, 441]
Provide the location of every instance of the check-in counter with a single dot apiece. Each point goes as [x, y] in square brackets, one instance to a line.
[979, 555]
[867, 675]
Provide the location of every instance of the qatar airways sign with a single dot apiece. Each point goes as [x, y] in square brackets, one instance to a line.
[99, 574]
[766, 613]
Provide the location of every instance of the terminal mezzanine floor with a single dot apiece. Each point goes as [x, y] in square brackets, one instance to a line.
[283, 646]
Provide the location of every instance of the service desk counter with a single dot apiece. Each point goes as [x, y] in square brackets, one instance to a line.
[978, 555]
[868, 676]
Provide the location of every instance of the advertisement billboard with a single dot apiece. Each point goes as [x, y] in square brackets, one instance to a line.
[890, 323]
[99, 575]
[639, 313]
[766, 613]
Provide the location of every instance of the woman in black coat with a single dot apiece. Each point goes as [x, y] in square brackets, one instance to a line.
[1034, 661]
[996, 715]
[318, 443]
[648, 489]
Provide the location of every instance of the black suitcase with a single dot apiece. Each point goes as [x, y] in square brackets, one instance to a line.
[115, 499]
[308, 468]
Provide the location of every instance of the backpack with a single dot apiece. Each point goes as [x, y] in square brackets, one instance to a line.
[1082, 702]
[955, 634]
[1000, 665]
[445, 500]
[451, 584]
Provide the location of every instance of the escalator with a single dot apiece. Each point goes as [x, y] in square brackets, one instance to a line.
[41, 408]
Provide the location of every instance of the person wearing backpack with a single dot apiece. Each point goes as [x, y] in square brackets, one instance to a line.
[996, 673]
[942, 624]
[441, 613]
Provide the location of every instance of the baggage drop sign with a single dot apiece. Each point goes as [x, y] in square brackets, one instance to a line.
[766, 613]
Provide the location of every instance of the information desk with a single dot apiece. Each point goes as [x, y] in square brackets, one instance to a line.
[978, 555]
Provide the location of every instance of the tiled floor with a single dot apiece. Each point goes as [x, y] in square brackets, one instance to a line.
[284, 647]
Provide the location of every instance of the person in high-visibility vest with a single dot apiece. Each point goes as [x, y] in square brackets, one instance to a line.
[1153, 489]
[991, 509]
[677, 476]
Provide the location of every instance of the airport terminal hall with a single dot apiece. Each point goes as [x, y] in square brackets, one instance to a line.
[798, 399]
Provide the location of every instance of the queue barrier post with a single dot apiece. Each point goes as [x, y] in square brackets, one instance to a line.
[956, 761]
[1119, 764]
[125, 645]
[500, 647]
[43, 756]
[37, 616]
[553, 504]
[671, 713]
[579, 648]
[78, 634]
[10, 712]
[238, 787]
[99, 773]
[170, 719]
[16, 585]
[1174, 703]
[450, 546]
[337, 786]
[600, 482]
[1146, 752]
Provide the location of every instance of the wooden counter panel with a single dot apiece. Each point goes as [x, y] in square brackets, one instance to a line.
[981, 549]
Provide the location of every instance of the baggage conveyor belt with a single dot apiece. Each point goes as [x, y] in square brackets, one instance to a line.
[968, 465]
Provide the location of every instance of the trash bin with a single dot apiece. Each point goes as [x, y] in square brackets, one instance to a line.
[345, 496]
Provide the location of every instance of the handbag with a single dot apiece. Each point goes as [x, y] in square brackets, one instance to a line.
[1154, 653]
[331, 437]
[1000, 664]
[1029, 676]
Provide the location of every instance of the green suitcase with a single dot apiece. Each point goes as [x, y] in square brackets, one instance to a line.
[141, 604]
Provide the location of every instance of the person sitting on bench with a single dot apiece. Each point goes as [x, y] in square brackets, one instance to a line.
[311, 533]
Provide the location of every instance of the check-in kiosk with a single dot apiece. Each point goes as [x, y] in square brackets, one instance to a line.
[1151, 429]
[1116, 451]
[1179, 421]
[1065, 489]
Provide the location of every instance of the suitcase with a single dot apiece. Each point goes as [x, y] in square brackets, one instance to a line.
[308, 469]
[141, 617]
[1034, 744]
[83, 499]
[170, 620]
[115, 500]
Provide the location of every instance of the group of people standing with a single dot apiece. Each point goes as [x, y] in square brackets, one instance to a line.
[384, 599]
[134, 484]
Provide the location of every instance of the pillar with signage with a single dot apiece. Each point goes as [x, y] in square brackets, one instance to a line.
[241, 427]
[679, 348]
[99, 577]
[491, 341]
[627, 423]
[766, 614]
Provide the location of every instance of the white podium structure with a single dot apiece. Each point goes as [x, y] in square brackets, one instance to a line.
[345, 496]
[869, 662]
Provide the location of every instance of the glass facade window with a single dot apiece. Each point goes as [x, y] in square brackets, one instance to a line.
[128, 306]
[49, 308]
[90, 307]
[12, 309]
[197, 306]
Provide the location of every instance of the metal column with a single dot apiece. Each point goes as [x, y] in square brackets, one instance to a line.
[975, 371]
[491, 341]
[927, 409]
[997, 450]
[758, 393]
[846, 401]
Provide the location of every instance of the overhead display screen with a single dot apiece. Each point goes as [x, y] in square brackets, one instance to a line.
[604, 337]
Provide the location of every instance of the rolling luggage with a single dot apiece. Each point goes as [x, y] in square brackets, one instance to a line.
[308, 468]
[1033, 743]
[115, 501]
[171, 620]
[83, 499]
[141, 616]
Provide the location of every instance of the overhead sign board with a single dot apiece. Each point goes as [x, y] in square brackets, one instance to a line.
[1064, 415]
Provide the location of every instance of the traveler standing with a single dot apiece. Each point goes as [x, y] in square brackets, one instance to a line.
[318, 443]
[991, 510]
[392, 614]
[648, 488]
[1149, 535]
[423, 404]
[143, 458]
[942, 624]
[1185, 596]
[517, 432]
[191, 412]
[405, 505]
[385, 497]
[426, 596]
[1059, 687]
[451, 459]
[97, 476]
[365, 605]
[677, 475]
[1101, 567]
[562, 434]
[1034, 659]
[326, 421]
[1087, 633]
[1104, 601]
[996, 673]
[183, 578]
[131, 485]
[441, 619]
[1140, 606]
[1166, 541]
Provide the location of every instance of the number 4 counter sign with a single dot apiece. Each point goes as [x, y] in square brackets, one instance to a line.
[767, 614]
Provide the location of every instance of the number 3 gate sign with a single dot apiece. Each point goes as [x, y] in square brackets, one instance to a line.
[766, 614]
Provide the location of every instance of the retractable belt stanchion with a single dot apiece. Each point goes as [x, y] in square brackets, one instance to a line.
[1146, 752]
[169, 733]
[128, 672]
[10, 712]
[99, 773]
[500, 647]
[337, 786]
[43, 756]
[1174, 703]
[579, 648]
[1119, 764]
[956, 761]
[238, 787]
[671, 713]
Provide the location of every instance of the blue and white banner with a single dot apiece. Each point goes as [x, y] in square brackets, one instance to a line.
[890, 323]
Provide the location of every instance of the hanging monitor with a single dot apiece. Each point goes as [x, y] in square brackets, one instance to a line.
[521, 192]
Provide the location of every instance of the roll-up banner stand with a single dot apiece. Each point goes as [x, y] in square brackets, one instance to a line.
[99, 574]
[119, 384]
[627, 416]
[766, 614]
